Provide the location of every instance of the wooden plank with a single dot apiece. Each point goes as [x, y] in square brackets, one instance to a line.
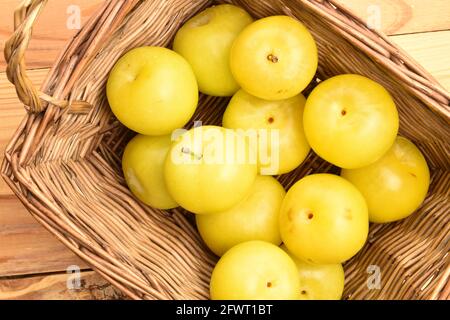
[51, 31]
[54, 287]
[26, 247]
[403, 16]
[12, 113]
[431, 50]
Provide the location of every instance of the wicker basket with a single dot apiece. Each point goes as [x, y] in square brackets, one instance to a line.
[64, 160]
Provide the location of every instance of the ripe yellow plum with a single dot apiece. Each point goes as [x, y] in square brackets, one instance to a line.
[152, 90]
[255, 270]
[394, 186]
[319, 281]
[205, 42]
[209, 169]
[274, 58]
[254, 218]
[324, 219]
[281, 141]
[142, 164]
[350, 121]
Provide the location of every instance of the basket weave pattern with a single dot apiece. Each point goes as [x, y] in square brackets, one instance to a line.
[64, 160]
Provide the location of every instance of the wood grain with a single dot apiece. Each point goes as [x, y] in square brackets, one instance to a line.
[431, 50]
[26, 247]
[54, 287]
[404, 16]
[51, 31]
[12, 113]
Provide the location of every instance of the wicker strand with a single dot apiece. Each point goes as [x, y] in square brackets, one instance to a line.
[24, 19]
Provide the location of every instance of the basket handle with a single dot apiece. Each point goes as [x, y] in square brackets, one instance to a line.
[24, 18]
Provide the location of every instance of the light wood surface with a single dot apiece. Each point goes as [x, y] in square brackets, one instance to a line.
[431, 50]
[32, 262]
[404, 16]
[55, 287]
[26, 247]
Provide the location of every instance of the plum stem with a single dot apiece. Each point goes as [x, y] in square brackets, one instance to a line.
[191, 153]
[273, 58]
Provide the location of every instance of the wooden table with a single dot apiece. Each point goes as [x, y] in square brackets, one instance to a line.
[33, 264]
